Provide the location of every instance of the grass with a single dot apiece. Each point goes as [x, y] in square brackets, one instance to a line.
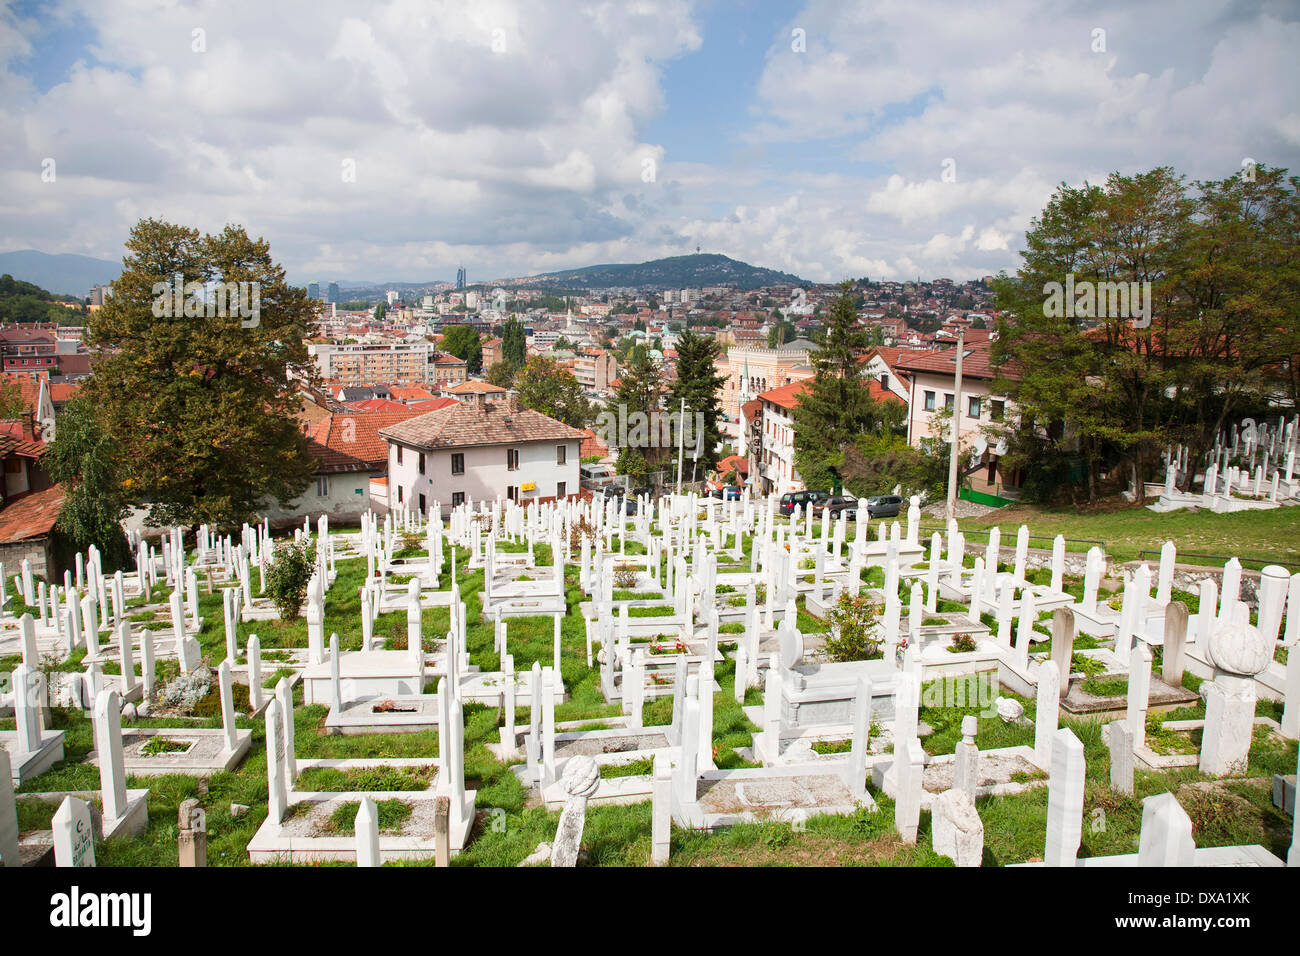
[1267, 536]
[392, 814]
[162, 745]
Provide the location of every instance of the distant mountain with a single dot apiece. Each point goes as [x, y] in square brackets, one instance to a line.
[66, 274]
[674, 272]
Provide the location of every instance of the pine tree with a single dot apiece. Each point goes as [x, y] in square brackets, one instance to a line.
[698, 382]
[836, 407]
[513, 343]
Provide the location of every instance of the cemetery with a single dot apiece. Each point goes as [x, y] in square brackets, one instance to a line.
[702, 682]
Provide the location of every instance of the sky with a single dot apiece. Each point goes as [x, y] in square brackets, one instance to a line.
[398, 140]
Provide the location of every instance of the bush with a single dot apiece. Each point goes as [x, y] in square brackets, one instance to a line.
[288, 575]
[625, 575]
[853, 635]
[962, 644]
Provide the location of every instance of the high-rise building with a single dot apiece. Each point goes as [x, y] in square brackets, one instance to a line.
[460, 278]
[313, 290]
[334, 292]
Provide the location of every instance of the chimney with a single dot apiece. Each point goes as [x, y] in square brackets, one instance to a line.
[29, 430]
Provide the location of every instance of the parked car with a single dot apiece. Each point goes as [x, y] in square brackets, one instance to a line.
[726, 493]
[837, 505]
[804, 499]
[596, 477]
[884, 506]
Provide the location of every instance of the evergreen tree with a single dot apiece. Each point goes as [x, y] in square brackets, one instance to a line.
[836, 406]
[698, 382]
[513, 343]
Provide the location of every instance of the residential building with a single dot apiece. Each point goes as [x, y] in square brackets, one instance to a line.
[358, 364]
[595, 369]
[474, 392]
[477, 451]
[933, 380]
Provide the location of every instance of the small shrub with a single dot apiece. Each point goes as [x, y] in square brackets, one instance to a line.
[288, 575]
[853, 635]
[185, 691]
[625, 575]
[962, 644]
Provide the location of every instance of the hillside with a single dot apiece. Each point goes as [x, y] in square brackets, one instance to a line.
[65, 274]
[674, 272]
[25, 302]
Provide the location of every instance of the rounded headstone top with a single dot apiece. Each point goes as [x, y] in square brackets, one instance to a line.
[1238, 648]
[969, 725]
[581, 776]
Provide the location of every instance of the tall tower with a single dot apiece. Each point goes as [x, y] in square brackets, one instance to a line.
[460, 278]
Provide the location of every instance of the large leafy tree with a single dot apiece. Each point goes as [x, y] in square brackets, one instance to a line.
[1224, 271]
[837, 406]
[463, 342]
[698, 382]
[546, 387]
[88, 462]
[202, 405]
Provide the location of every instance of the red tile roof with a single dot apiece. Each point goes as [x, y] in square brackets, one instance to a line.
[376, 405]
[475, 423]
[31, 516]
[407, 393]
[787, 396]
[351, 442]
[431, 405]
[469, 388]
[974, 364]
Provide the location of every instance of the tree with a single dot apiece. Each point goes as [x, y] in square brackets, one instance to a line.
[638, 398]
[11, 400]
[836, 406]
[88, 462]
[380, 311]
[501, 374]
[781, 333]
[544, 386]
[513, 343]
[199, 397]
[463, 342]
[561, 344]
[698, 382]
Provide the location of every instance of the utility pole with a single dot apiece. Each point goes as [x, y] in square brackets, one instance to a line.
[956, 429]
[681, 443]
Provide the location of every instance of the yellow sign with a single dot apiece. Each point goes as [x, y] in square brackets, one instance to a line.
[531, 486]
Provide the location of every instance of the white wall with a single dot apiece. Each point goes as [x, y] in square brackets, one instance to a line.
[486, 475]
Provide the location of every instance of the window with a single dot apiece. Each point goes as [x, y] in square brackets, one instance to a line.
[884, 380]
[512, 492]
[458, 463]
[399, 454]
[561, 453]
[423, 507]
[559, 490]
[512, 459]
[929, 405]
[948, 401]
[322, 486]
[457, 498]
[972, 407]
[399, 494]
[421, 466]
[997, 410]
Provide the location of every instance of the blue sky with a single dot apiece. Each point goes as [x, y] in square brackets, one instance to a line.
[908, 137]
